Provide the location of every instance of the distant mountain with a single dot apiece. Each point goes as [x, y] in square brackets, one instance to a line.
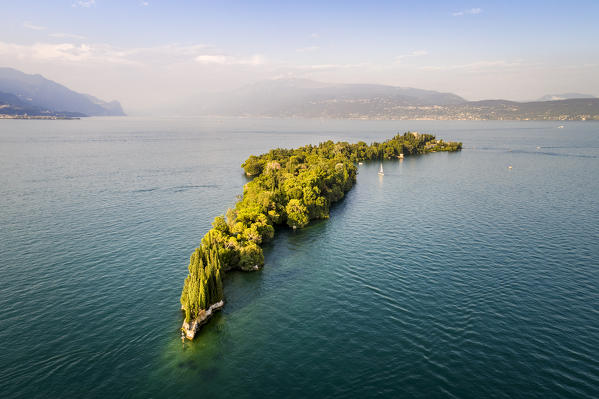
[564, 96]
[302, 97]
[10, 104]
[308, 99]
[11, 99]
[38, 93]
[571, 109]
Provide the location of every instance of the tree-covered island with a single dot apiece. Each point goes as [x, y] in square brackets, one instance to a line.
[289, 186]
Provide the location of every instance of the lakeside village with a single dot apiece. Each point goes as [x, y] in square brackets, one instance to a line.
[43, 117]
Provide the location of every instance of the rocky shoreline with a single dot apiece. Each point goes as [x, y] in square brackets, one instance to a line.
[190, 329]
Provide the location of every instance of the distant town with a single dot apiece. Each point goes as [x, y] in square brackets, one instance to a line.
[43, 117]
[470, 111]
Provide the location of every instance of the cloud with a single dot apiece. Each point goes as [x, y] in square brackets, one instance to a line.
[29, 25]
[144, 4]
[471, 11]
[47, 51]
[314, 35]
[61, 35]
[101, 53]
[76, 53]
[219, 59]
[415, 53]
[307, 49]
[475, 66]
[331, 67]
[212, 59]
[84, 4]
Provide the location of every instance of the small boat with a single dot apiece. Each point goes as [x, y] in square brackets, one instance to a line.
[560, 127]
[401, 156]
[381, 173]
[360, 163]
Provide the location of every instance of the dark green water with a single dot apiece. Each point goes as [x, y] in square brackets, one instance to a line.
[451, 276]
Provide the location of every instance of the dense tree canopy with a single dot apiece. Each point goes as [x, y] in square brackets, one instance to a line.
[289, 187]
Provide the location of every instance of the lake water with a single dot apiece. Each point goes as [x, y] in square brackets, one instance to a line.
[451, 276]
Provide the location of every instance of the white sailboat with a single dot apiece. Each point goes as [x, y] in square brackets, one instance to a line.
[381, 173]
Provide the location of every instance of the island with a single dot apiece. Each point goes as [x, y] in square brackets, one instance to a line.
[288, 187]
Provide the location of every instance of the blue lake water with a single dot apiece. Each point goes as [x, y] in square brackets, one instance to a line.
[451, 276]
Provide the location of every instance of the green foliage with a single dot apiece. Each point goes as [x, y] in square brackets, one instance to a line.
[290, 186]
[201, 288]
[220, 224]
[297, 214]
[187, 313]
[253, 166]
[250, 256]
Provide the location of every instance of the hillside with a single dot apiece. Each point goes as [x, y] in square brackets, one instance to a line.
[571, 109]
[13, 106]
[308, 99]
[38, 94]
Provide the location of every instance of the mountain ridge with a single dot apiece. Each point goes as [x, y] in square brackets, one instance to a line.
[38, 94]
[311, 99]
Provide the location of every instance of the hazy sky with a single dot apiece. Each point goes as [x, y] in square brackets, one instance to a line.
[150, 54]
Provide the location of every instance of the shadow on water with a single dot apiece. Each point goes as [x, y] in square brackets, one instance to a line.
[188, 364]
[244, 289]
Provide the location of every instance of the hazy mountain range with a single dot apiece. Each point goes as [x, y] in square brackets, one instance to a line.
[306, 98]
[21, 93]
[301, 97]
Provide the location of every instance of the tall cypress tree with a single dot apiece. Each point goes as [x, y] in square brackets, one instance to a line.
[202, 295]
[219, 286]
[187, 311]
[212, 286]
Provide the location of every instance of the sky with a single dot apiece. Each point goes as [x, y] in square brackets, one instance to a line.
[153, 55]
